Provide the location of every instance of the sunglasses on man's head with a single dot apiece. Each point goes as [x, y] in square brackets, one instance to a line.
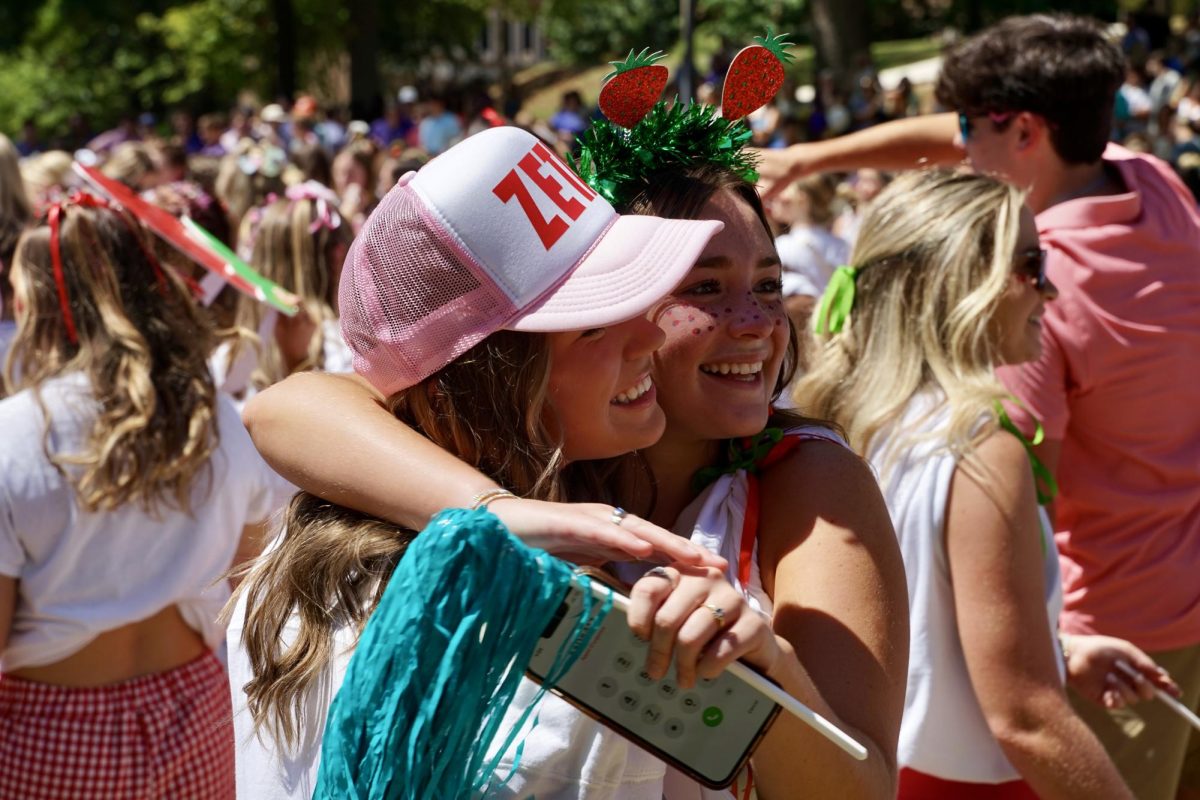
[964, 121]
[1031, 265]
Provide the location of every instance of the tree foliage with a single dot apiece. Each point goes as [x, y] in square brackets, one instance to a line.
[105, 58]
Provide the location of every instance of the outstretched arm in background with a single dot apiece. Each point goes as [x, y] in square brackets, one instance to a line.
[902, 144]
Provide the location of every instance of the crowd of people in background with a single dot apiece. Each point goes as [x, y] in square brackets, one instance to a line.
[960, 314]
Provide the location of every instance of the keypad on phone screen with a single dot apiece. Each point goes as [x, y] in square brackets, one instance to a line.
[657, 704]
[707, 726]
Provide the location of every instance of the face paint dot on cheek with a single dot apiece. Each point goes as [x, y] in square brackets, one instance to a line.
[710, 327]
[695, 331]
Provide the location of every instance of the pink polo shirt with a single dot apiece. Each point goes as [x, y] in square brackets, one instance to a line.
[1118, 384]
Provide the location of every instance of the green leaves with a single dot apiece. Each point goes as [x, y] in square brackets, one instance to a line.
[632, 62]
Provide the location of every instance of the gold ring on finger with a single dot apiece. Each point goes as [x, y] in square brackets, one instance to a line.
[717, 612]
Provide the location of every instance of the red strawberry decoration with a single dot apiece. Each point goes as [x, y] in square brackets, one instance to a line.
[633, 88]
[754, 76]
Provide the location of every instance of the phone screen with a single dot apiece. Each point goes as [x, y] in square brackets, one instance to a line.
[707, 731]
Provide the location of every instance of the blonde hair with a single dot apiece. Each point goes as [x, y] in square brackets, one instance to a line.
[934, 257]
[821, 191]
[16, 212]
[284, 247]
[141, 343]
[489, 408]
[46, 176]
[131, 163]
[240, 190]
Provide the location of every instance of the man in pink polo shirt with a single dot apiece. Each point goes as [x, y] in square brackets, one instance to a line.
[1118, 386]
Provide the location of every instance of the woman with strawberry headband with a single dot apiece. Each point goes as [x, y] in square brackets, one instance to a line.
[797, 516]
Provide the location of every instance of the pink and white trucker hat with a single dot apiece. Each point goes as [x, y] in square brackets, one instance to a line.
[497, 233]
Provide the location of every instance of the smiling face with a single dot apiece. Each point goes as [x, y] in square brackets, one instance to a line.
[1018, 319]
[603, 401]
[726, 332]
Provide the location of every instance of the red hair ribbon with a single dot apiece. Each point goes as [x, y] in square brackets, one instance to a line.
[54, 217]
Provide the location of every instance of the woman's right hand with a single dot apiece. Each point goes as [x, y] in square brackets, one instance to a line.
[694, 617]
[585, 534]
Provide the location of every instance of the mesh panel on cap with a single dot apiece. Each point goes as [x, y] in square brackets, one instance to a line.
[410, 302]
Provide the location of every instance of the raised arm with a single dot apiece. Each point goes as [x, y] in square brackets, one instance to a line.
[994, 551]
[331, 436]
[898, 145]
[831, 564]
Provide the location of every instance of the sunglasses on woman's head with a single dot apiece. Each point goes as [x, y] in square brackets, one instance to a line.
[1031, 265]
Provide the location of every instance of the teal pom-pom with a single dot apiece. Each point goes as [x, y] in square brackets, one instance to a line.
[440, 660]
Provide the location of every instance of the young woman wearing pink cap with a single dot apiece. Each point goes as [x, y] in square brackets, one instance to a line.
[802, 526]
[544, 316]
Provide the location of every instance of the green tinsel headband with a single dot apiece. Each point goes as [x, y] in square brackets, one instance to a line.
[620, 163]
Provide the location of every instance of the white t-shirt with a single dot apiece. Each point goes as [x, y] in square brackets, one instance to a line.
[83, 573]
[234, 379]
[809, 255]
[943, 732]
[8, 332]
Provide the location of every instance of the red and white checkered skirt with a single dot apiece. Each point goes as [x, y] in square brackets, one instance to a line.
[168, 735]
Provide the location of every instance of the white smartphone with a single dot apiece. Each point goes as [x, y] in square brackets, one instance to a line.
[708, 732]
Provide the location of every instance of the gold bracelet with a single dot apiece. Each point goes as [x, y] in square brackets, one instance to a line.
[487, 496]
[1064, 643]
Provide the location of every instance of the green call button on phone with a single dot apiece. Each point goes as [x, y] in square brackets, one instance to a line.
[712, 716]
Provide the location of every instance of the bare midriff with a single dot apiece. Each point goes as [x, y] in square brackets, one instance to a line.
[147, 647]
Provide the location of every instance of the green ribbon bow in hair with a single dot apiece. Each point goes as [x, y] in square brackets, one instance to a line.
[1042, 476]
[834, 308]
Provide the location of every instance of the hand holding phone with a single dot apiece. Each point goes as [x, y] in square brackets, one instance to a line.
[708, 728]
[694, 617]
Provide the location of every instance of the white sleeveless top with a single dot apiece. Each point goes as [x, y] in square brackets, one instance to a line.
[566, 755]
[569, 755]
[943, 732]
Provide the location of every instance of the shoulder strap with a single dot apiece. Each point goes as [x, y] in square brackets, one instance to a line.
[778, 450]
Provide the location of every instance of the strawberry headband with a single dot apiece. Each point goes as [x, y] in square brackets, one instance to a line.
[643, 136]
[54, 216]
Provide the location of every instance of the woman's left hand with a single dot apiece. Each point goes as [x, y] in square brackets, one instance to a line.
[692, 615]
[1093, 671]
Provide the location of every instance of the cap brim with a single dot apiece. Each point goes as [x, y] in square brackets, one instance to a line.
[637, 262]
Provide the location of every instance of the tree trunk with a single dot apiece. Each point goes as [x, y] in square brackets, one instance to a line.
[841, 32]
[686, 75]
[363, 43]
[285, 48]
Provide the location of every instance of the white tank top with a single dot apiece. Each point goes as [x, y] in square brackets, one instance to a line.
[943, 732]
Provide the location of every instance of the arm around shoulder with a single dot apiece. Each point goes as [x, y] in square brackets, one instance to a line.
[832, 566]
[331, 435]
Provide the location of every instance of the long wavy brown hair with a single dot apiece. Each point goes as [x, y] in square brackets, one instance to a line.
[490, 408]
[141, 344]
